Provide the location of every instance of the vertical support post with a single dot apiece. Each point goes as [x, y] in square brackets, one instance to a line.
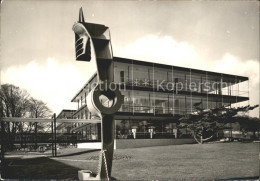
[52, 138]
[168, 105]
[191, 106]
[55, 136]
[153, 103]
[186, 84]
[200, 84]
[230, 88]
[129, 73]
[173, 103]
[238, 87]
[36, 126]
[221, 87]
[185, 104]
[235, 88]
[2, 156]
[133, 102]
[207, 90]
[144, 129]
[231, 136]
[248, 94]
[2, 161]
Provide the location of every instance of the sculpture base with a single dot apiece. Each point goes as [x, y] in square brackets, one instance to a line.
[87, 175]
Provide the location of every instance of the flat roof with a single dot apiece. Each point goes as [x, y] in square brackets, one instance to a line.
[139, 62]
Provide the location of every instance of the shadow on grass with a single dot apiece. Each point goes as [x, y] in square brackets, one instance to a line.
[78, 153]
[240, 178]
[39, 168]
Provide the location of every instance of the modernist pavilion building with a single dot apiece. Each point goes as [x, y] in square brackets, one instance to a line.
[155, 95]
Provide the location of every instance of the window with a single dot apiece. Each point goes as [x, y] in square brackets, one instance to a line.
[80, 100]
[122, 76]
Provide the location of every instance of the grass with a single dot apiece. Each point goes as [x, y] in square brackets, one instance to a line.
[196, 162]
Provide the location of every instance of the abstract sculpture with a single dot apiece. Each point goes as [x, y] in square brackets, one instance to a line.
[92, 41]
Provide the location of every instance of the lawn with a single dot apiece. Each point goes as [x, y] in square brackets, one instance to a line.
[193, 161]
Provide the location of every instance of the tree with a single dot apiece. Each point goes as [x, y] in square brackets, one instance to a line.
[38, 109]
[204, 123]
[17, 102]
[248, 124]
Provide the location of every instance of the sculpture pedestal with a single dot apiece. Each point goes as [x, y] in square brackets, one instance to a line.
[87, 175]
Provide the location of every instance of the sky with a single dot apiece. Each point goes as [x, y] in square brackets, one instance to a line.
[37, 41]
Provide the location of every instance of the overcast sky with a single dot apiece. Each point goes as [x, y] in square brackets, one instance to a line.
[37, 41]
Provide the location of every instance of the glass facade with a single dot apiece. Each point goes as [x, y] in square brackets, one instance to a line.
[136, 101]
[157, 93]
[144, 129]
